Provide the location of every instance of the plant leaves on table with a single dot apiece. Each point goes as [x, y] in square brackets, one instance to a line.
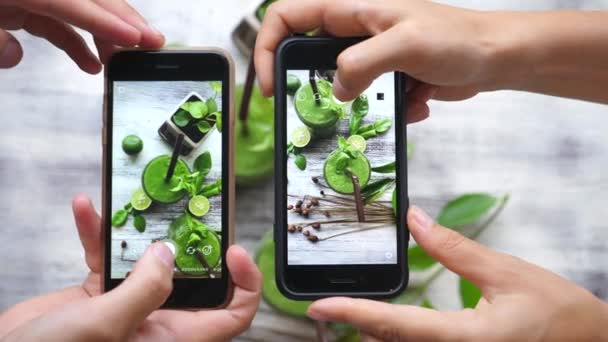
[198, 109]
[464, 210]
[371, 188]
[216, 86]
[359, 109]
[469, 293]
[383, 125]
[211, 105]
[181, 118]
[139, 222]
[119, 218]
[218, 121]
[300, 161]
[386, 168]
[202, 163]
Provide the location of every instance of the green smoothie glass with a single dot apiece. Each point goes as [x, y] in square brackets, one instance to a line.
[192, 244]
[338, 177]
[320, 116]
[155, 185]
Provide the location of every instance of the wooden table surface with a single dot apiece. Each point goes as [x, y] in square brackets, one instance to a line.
[550, 154]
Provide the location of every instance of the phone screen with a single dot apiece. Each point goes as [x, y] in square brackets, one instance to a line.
[340, 172]
[166, 170]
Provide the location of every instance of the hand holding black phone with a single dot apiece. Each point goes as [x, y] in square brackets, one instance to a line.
[341, 181]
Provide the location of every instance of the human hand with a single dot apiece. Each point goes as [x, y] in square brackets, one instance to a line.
[127, 312]
[521, 301]
[111, 22]
[446, 49]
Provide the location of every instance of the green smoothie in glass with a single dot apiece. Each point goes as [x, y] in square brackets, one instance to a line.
[320, 116]
[155, 185]
[339, 168]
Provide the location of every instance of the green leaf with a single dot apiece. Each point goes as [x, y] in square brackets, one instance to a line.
[368, 134]
[418, 259]
[119, 218]
[366, 128]
[466, 209]
[342, 162]
[211, 105]
[383, 125]
[216, 86]
[300, 162]
[469, 293]
[394, 201]
[212, 189]
[354, 124]
[218, 121]
[379, 189]
[202, 163]
[386, 168]
[426, 303]
[139, 222]
[198, 109]
[203, 126]
[342, 143]
[181, 118]
[360, 106]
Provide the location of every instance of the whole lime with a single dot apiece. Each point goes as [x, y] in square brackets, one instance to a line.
[132, 144]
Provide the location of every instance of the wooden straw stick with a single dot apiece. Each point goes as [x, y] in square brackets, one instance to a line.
[358, 198]
[313, 84]
[174, 157]
[246, 99]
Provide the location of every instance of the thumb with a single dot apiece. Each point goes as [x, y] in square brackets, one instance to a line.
[361, 63]
[463, 256]
[10, 50]
[145, 290]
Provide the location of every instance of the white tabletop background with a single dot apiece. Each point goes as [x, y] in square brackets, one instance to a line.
[550, 154]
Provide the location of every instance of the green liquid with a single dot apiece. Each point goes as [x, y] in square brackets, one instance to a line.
[153, 180]
[322, 118]
[342, 182]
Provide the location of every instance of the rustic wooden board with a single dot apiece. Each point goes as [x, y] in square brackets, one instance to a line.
[550, 154]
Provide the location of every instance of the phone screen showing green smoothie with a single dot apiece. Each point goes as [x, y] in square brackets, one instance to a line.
[340, 172]
[166, 181]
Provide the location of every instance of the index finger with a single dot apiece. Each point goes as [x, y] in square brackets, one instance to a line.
[337, 18]
[86, 15]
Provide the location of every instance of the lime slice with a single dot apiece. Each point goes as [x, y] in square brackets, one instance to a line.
[300, 136]
[140, 201]
[357, 142]
[199, 205]
[132, 144]
[154, 184]
[265, 260]
[341, 181]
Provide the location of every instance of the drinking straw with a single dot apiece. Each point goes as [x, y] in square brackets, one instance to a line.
[358, 198]
[203, 261]
[176, 148]
[247, 90]
[321, 329]
[313, 84]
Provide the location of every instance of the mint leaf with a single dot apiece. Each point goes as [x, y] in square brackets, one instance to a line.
[466, 209]
[216, 86]
[368, 134]
[119, 218]
[386, 168]
[383, 125]
[139, 222]
[360, 106]
[342, 143]
[300, 162]
[181, 118]
[374, 190]
[469, 293]
[202, 163]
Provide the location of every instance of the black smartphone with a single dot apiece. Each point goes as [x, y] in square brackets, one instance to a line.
[341, 178]
[168, 168]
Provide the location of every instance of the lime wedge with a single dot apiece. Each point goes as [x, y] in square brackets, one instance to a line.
[199, 205]
[357, 142]
[300, 136]
[140, 201]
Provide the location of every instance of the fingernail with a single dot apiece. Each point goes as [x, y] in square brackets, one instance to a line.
[11, 54]
[423, 220]
[338, 89]
[156, 31]
[165, 252]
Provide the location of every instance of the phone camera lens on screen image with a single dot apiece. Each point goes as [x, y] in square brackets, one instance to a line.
[167, 174]
[341, 171]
